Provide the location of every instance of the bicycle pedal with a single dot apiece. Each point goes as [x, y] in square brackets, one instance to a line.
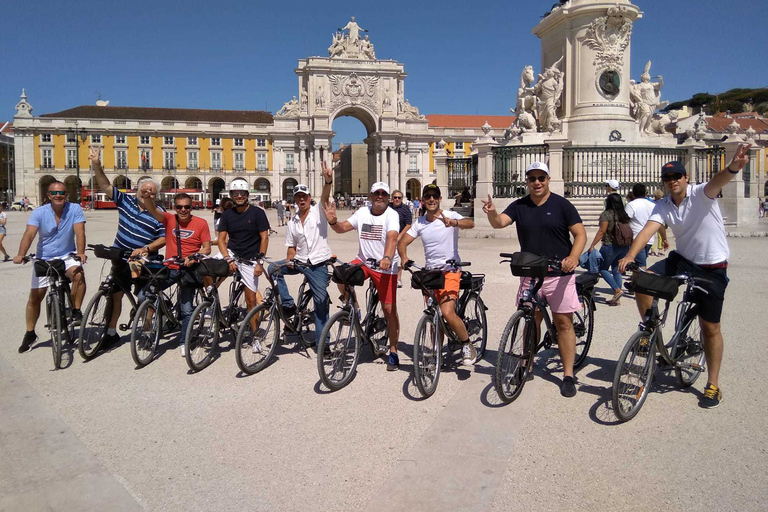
[124, 327]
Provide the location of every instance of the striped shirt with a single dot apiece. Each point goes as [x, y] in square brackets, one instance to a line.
[135, 227]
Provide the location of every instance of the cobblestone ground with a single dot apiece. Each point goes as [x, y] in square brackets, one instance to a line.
[104, 435]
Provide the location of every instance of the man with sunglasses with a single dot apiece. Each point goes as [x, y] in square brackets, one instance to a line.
[244, 233]
[693, 215]
[545, 223]
[439, 232]
[406, 218]
[61, 226]
[378, 227]
[137, 231]
[185, 235]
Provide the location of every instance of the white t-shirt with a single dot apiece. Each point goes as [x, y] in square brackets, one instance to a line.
[639, 212]
[372, 234]
[697, 225]
[310, 238]
[441, 243]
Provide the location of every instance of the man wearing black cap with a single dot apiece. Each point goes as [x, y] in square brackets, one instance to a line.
[692, 212]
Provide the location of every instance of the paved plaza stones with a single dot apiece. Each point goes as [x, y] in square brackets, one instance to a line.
[161, 438]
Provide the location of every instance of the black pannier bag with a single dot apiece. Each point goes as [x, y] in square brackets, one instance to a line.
[526, 264]
[428, 279]
[351, 275]
[214, 267]
[41, 267]
[656, 286]
[471, 281]
[109, 253]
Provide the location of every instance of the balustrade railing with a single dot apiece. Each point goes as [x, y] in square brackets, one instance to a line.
[509, 165]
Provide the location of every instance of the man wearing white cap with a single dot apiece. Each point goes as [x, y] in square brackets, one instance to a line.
[378, 227]
[545, 223]
[611, 186]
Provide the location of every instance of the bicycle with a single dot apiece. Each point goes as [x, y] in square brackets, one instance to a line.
[259, 333]
[338, 349]
[208, 318]
[99, 310]
[684, 353]
[427, 362]
[519, 340]
[58, 303]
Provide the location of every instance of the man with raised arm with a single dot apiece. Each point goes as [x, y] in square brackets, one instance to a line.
[306, 237]
[545, 223]
[137, 230]
[378, 227]
[61, 226]
[439, 232]
[693, 215]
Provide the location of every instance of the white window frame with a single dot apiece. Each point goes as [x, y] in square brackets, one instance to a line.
[169, 156]
[142, 139]
[192, 141]
[123, 160]
[216, 141]
[167, 138]
[71, 158]
[120, 139]
[193, 160]
[458, 146]
[239, 142]
[216, 166]
[290, 162]
[262, 143]
[46, 154]
[95, 138]
[261, 161]
[413, 163]
[148, 152]
[45, 136]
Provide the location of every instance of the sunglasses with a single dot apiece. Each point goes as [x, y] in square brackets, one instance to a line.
[183, 206]
[427, 197]
[541, 179]
[57, 192]
[672, 177]
[380, 193]
[397, 197]
[236, 193]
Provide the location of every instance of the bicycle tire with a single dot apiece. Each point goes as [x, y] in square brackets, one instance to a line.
[476, 322]
[236, 310]
[251, 351]
[55, 327]
[516, 350]
[145, 337]
[95, 325]
[338, 352]
[306, 320]
[376, 329]
[583, 326]
[694, 353]
[202, 336]
[426, 360]
[628, 397]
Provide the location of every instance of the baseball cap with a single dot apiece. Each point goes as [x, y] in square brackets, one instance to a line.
[431, 189]
[380, 185]
[614, 184]
[673, 167]
[537, 166]
[239, 184]
[301, 189]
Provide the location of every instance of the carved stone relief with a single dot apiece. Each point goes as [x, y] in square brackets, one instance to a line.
[354, 89]
[609, 36]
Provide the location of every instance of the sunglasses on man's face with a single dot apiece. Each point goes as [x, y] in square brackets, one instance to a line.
[236, 193]
[672, 177]
[380, 193]
[427, 197]
[397, 197]
[183, 206]
[57, 192]
[533, 179]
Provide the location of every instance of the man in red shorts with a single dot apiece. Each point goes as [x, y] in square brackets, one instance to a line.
[377, 229]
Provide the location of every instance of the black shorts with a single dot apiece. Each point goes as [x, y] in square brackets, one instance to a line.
[121, 273]
[710, 304]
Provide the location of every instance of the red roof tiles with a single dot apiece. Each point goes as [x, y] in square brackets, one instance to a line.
[165, 114]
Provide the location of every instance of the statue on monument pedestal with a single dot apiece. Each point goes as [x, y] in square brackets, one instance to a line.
[350, 45]
[304, 99]
[525, 120]
[647, 98]
[366, 48]
[409, 111]
[290, 108]
[354, 30]
[548, 90]
[320, 97]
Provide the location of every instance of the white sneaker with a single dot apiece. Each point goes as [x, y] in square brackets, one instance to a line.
[256, 347]
[468, 354]
[183, 350]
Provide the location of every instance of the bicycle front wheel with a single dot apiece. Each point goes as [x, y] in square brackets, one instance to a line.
[427, 356]
[476, 322]
[55, 326]
[634, 373]
[255, 346]
[202, 336]
[338, 350]
[95, 325]
[690, 352]
[145, 333]
[583, 326]
[516, 351]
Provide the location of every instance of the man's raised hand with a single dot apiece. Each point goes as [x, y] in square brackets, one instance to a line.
[445, 220]
[329, 207]
[94, 154]
[327, 173]
[488, 206]
[740, 158]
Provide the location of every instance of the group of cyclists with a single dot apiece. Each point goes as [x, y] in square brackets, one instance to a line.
[547, 225]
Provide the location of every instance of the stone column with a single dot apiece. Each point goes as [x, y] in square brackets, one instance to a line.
[737, 209]
[402, 169]
[484, 185]
[441, 169]
[555, 164]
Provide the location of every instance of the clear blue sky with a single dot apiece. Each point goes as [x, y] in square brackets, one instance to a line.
[461, 57]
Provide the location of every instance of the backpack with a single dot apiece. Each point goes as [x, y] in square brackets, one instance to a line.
[622, 234]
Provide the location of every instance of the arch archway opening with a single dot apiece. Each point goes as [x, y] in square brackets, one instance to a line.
[44, 183]
[73, 184]
[355, 153]
[215, 187]
[121, 182]
[288, 185]
[169, 183]
[413, 189]
[193, 182]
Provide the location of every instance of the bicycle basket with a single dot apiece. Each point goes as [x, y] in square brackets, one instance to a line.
[526, 264]
[471, 281]
[41, 267]
[350, 275]
[428, 280]
[656, 285]
[108, 253]
[214, 267]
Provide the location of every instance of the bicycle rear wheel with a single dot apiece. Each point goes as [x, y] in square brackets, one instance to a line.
[516, 351]
[376, 329]
[254, 348]
[306, 320]
[202, 336]
[476, 323]
[95, 325]
[427, 356]
[338, 350]
[691, 351]
[145, 333]
[634, 374]
[583, 326]
[55, 326]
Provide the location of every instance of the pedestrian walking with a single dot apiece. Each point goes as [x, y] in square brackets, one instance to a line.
[2, 233]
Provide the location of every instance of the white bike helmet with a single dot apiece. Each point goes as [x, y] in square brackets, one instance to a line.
[239, 184]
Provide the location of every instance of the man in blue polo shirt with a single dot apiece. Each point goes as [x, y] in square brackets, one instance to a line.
[61, 226]
[137, 230]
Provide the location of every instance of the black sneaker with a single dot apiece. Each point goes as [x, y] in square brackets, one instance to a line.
[393, 362]
[7, 258]
[77, 317]
[568, 387]
[289, 311]
[26, 343]
[712, 397]
[110, 340]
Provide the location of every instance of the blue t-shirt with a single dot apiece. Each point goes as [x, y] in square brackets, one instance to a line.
[55, 241]
[135, 227]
